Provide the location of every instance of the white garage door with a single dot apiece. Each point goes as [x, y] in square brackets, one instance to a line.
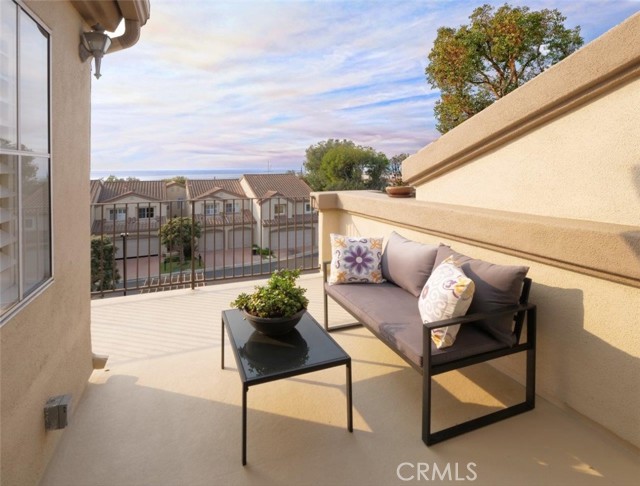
[138, 247]
[292, 239]
[212, 241]
[240, 238]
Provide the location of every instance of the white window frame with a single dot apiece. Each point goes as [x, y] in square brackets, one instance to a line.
[280, 209]
[119, 213]
[211, 209]
[24, 297]
[233, 205]
[307, 207]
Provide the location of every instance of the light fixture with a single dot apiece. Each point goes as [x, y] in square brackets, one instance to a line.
[96, 44]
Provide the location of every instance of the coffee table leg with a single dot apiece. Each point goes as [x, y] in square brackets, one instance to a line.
[349, 399]
[222, 344]
[245, 389]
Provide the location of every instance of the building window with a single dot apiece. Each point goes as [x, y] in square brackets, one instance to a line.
[145, 213]
[118, 214]
[280, 209]
[229, 207]
[307, 207]
[211, 209]
[25, 157]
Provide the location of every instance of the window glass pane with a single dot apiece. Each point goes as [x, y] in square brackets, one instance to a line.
[8, 87]
[9, 276]
[36, 243]
[34, 86]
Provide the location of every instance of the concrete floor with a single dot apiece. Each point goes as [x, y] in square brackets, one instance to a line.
[163, 413]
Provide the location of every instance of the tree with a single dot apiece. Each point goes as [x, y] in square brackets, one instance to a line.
[176, 236]
[104, 272]
[394, 169]
[342, 165]
[477, 64]
[179, 179]
[113, 178]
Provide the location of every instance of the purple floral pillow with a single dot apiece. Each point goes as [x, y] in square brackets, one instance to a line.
[355, 259]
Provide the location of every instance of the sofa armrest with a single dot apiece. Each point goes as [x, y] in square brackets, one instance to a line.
[474, 318]
[325, 272]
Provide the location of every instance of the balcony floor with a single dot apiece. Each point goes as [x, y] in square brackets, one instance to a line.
[163, 413]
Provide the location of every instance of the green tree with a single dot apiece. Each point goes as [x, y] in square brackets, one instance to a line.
[104, 272]
[342, 165]
[477, 64]
[176, 236]
[179, 179]
[113, 178]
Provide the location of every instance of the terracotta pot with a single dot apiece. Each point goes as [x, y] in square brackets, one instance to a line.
[400, 191]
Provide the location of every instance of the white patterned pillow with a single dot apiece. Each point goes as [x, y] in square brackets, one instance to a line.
[355, 259]
[447, 293]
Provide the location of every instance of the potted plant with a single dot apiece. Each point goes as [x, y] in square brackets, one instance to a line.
[275, 308]
[397, 188]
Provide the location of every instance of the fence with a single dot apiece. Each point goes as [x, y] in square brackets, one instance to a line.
[161, 245]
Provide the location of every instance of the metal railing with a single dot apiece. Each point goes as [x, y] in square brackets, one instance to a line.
[161, 245]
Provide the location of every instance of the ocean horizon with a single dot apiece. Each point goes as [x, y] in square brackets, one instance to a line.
[151, 175]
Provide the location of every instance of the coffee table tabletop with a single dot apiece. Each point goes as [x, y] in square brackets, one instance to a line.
[261, 358]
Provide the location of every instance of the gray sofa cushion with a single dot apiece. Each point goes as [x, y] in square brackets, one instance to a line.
[392, 313]
[408, 263]
[497, 287]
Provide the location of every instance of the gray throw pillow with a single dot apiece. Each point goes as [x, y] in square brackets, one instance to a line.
[497, 287]
[407, 263]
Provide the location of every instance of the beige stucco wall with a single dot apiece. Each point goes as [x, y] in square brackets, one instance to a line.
[583, 164]
[548, 177]
[46, 347]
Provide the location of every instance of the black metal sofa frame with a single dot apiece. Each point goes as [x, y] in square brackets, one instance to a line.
[430, 369]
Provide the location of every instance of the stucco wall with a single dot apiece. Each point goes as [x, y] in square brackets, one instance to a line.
[583, 164]
[46, 346]
[548, 177]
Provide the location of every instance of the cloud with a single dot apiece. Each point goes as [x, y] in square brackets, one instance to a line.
[239, 84]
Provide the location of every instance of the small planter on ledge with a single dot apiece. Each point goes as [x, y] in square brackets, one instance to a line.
[400, 191]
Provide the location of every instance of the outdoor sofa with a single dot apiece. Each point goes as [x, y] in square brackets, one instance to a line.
[491, 328]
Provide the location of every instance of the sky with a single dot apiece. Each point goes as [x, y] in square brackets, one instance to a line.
[250, 85]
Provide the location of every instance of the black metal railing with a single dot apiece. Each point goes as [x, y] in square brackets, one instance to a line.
[150, 246]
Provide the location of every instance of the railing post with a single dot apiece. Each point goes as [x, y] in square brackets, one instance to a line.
[124, 261]
[193, 245]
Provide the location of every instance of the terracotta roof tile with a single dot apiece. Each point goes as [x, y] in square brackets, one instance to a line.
[155, 190]
[203, 188]
[288, 185]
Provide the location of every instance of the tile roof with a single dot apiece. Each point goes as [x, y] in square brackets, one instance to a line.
[131, 225]
[286, 185]
[156, 190]
[94, 190]
[298, 220]
[226, 219]
[204, 188]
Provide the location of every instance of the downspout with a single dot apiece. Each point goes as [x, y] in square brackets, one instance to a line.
[129, 38]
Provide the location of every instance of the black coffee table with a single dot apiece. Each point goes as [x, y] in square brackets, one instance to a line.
[261, 359]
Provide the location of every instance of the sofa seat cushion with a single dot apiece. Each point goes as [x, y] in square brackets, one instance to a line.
[392, 314]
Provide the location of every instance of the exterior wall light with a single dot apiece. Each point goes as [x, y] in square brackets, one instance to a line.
[96, 44]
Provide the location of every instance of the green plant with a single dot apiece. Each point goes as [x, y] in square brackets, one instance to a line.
[280, 297]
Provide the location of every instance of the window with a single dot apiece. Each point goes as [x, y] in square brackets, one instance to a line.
[307, 207]
[229, 207]
[25, 157]
[118, 214]
[145, 213]
[211, 209]
[280, 209]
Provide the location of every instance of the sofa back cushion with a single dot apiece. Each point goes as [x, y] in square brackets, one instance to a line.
[408, 264]
[496, 287]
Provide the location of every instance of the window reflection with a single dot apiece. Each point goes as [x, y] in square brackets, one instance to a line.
[36, 245]
[8, 88]
[9, 276]
[34, 86]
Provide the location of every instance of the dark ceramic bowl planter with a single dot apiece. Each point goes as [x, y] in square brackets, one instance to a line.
[274, 326]
[399, 191]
